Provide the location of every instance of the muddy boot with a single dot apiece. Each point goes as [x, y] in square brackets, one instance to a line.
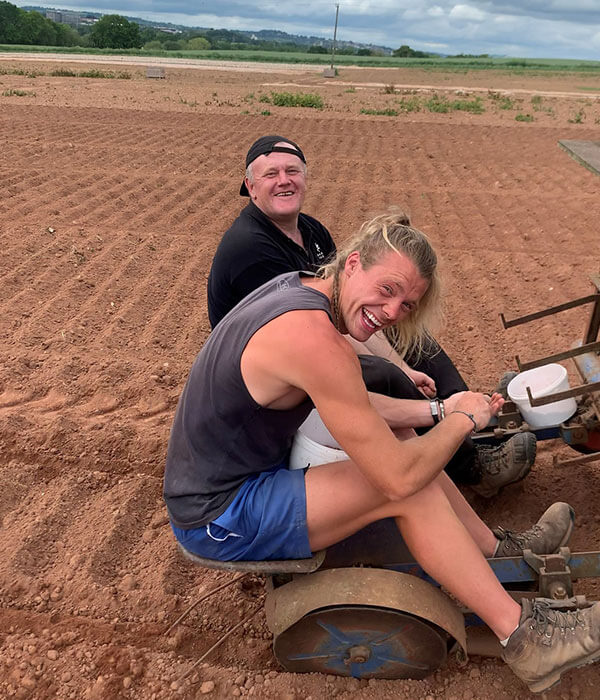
[549, 641]
[506, 464]
[551, 532]
[503, 383]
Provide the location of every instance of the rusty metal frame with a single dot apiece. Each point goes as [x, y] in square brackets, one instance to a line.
[590, 344]
[582, 459]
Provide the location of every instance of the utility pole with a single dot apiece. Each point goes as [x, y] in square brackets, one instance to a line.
[330, 73]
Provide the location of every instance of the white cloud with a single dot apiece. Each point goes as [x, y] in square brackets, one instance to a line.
[436, 11]
[545, 28]
[467, 13]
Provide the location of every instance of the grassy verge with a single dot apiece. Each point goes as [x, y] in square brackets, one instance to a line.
[512, 65]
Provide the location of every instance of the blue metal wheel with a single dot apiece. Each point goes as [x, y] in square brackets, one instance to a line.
[362, 642]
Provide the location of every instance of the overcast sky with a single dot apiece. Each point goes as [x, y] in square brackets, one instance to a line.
[520, 28]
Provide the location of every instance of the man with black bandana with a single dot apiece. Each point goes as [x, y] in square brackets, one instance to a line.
[271, 236]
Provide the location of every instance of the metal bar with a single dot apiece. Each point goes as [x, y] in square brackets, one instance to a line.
[516, 570]
[549, 312]
[581, 390]
[584, 459]
[574, 352]
[585, 564]
[489, 437]
[591, 333]
[219, 642]
[204, 597]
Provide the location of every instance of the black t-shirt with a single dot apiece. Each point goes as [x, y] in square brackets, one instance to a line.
[254, 250]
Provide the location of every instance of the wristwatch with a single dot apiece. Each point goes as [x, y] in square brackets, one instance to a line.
[436, 411]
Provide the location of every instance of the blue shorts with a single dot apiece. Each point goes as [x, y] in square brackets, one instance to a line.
[265, 520]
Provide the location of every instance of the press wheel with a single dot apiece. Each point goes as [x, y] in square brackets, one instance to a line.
[363, 642]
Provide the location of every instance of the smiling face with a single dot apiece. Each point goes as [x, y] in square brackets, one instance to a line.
[380, 296]
[278, 184]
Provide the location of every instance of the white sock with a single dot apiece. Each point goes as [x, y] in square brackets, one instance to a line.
[504, 642]
[496, 547]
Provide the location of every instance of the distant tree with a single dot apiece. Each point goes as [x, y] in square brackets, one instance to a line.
[151, 34]
[67, 36]
[364, 52]
[226, 36]
[317, 49]
[406, 52]
[174, 45]
[346, 51]
[12, 19]
[153, 45]
[20, 27]
[470, 55]
[403, 51]
[38, 30]
[115, 32]
[198, 43]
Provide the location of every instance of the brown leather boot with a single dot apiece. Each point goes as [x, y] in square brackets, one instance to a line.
[506, 464]
[551, 532]
[550, 640]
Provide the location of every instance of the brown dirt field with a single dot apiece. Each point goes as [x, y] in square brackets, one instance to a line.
[114, 196]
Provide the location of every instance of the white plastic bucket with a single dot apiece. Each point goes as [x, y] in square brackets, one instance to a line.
[314, 428]
[308, 453]
[314, 444]
[549, 379]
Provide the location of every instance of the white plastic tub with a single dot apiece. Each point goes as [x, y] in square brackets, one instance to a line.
[314, 444]
[543, 381]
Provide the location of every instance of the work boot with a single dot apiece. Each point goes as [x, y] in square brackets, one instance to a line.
[506, 464]
[551, 532]
[549, 641]
[505, 380]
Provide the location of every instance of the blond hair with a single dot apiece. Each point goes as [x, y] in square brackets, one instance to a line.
[374, 240]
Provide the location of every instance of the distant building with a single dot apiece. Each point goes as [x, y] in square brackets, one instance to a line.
[74, 19]
[167, 30]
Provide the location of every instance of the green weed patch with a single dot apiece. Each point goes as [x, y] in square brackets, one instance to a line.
[296, 99]
[18, 93]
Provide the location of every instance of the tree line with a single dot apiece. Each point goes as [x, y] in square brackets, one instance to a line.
[19, 26]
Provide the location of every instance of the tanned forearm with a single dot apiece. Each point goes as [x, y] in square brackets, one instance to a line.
[402, 413]
[422, 458]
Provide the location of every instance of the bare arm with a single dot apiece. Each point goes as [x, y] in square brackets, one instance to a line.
[409, 413]
[402, 413]
[378, 345]
[302, 351]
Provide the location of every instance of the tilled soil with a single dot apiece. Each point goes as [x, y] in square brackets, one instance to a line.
[114, 196]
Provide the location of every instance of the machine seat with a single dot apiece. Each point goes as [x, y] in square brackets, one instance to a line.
[287, 566]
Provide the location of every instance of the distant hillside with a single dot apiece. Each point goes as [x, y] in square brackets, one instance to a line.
[262, 35]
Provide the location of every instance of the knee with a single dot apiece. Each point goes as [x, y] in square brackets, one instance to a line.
[429, 497]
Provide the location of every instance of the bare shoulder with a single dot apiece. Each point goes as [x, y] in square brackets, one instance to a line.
[310, 331]
[303, 348]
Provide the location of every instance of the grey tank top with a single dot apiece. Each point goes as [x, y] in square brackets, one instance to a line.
[220, 435]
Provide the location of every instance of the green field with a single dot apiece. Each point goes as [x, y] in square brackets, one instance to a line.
[458, 65]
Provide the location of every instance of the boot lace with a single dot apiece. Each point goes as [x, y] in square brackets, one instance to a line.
[517, 540]
[492, 459]
[546, 621]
